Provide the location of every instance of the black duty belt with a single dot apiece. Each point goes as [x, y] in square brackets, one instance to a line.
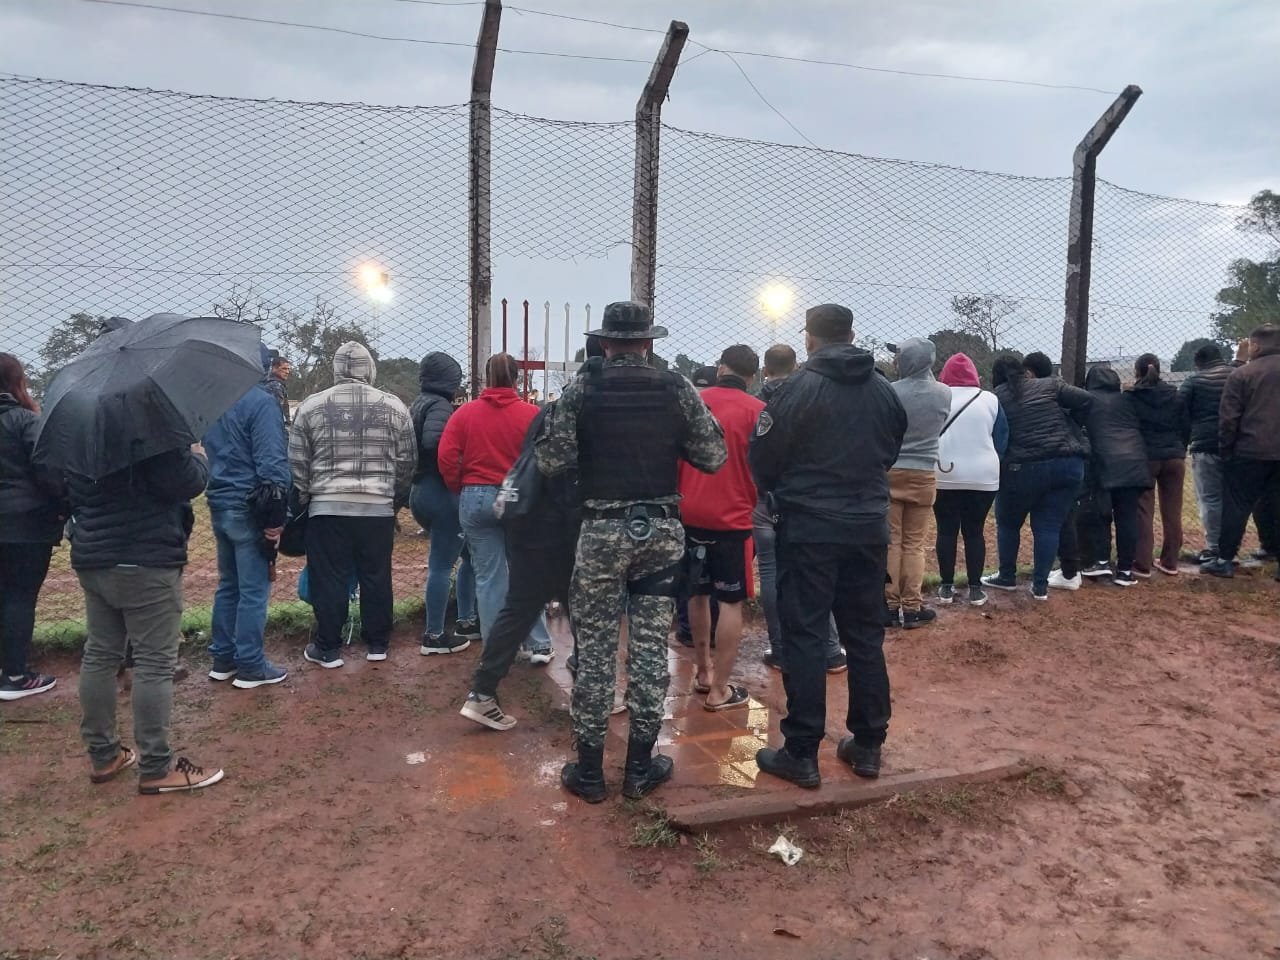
[654, 511]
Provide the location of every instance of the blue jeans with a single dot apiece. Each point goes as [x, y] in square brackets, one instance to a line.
[487, 541]
[766, 541]
[1206, 471]
[244, 587]
[1045, 489]
[436, 510]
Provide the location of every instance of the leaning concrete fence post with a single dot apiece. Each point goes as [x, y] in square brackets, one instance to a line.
[644, 209]
[1084, 178]
[479, 268]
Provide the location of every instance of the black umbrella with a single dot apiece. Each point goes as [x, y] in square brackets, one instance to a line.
[147, 388]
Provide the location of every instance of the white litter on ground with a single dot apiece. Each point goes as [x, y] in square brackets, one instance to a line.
[414, 758]
[786, 851]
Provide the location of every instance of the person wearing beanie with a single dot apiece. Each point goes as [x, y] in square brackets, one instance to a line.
[352, 452]
[972, 440]
[912, 482]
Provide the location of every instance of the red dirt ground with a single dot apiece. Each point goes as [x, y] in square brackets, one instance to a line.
[1150, 832]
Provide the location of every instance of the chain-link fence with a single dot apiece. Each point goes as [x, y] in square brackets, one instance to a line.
[327, 221]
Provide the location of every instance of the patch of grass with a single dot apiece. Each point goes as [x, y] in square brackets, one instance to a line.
[549, 942]
[261, 718]
[1046, 782]
[654, 830]
[708, 850]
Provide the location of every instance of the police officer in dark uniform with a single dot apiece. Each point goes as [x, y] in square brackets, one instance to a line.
[822, 450]
[625, 426]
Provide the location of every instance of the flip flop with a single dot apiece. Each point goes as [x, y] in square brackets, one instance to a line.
[738, 697]
[124, 761]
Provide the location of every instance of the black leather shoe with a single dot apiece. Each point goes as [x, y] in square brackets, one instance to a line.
[802, 771]
[585, 778]
[864, 760]
[644, 772]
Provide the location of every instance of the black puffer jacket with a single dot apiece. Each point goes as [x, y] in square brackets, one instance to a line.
[439, 377]
[1119, 455]
[824, 445]
[1201, 394]
[140, 516]
[1038, 412]
[1166, 426]
[31, 500]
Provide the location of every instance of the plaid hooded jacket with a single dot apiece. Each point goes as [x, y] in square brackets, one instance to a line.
[352, 448]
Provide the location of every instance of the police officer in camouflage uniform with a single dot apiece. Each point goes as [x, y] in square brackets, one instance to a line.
[625, 426]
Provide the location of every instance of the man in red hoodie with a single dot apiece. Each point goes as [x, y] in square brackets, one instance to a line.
[716, 511]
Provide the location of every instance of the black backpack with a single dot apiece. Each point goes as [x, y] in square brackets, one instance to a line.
[524, 486]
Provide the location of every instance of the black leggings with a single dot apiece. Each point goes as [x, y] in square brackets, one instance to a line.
[22, 571]
[957, 511]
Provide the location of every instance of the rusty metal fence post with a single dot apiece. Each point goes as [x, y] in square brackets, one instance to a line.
[1084, 176]
[644, 209]
[479, 266]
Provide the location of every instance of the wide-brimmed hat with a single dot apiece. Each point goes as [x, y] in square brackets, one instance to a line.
[628, 320]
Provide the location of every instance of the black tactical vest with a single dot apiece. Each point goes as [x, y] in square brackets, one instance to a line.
[629, 433]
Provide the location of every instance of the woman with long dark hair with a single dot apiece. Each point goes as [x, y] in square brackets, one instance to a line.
[480, 444]
[1041, 470]
[1165, 423]
[31, 516]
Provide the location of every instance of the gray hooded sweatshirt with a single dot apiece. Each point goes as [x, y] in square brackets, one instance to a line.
[927, 402]
[352, 448]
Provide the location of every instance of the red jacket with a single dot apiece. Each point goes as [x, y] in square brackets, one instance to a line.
[482, 439]
[724, 500]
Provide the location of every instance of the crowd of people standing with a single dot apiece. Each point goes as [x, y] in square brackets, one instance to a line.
[634, 489]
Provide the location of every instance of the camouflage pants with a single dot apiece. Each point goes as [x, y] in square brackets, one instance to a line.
[614, 575]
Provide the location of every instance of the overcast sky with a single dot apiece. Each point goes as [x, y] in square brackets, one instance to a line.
[1205, 128]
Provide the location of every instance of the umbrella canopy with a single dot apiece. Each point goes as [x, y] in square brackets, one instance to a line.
[144, 389]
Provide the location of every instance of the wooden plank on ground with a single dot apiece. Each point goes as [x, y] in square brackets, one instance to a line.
[763, 806]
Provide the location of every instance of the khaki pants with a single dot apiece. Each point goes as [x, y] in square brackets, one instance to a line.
[911, 496]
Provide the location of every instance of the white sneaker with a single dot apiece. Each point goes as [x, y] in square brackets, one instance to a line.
[486, 712]
[540, 658]
[1060, 582]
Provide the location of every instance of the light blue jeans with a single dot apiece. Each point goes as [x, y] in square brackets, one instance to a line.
[487, 541]
[436, 510]
[244, 587]
[1206, 471]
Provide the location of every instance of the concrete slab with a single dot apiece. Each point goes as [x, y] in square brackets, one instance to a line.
[765, 806]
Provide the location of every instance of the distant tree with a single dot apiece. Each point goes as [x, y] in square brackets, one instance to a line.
[1263, 215]
[1252, 297]
[951, 342]
[1184, 359]
[686, 367]
[246, 305]
[399, 375]
[1250, 300]
[310, 341]
[988, 316]
[65, 342]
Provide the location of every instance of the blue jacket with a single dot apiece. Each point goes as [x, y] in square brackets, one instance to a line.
[247, 446]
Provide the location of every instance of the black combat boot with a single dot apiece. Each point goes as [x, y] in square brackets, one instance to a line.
[585, 778]
[644, 772]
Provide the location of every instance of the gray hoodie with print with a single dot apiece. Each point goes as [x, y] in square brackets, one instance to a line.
[927, 402]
